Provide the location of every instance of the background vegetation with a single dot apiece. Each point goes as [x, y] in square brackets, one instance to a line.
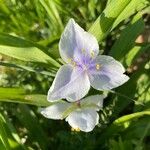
[29, 59]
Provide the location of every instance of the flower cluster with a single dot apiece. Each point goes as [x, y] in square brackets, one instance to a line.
[83, 68]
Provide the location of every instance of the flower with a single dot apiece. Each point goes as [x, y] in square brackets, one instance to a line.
[81, 115]
[79, 49]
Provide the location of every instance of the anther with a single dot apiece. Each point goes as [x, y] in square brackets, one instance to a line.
[69, 60]
[72, 62]
[98, 66]
[75, 129]
[92, 54]
[83, 50]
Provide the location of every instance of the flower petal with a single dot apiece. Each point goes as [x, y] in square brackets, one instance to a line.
[84, 119]
[55, 111]
[108, 75]
[94, 99]
[70, 83]
[75, 41]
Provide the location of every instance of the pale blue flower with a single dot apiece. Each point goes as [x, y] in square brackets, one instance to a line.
[79, 49]
[81, 115]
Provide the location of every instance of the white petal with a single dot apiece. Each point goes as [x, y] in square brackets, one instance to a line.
[74, 39]
[110, 63]
[94, 99]
[85, 119]
[55, 111]
[70, 83]
[109, 75]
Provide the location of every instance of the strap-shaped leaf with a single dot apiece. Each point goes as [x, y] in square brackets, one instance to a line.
[9, 138]
[30, 121]
[127, 38]
[24, 50]
[18, 95]
[134, 53]
[28, 68]
[115, 12]
[3, 134]
[130, 117]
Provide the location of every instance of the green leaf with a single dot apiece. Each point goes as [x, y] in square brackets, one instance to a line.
[137, 129]
[120, 144]
[130, 117]
[121, 124]
[18, 95]
[53, 15]
[127, 38]
[129, 91]
[115, 12]
[142, 94]
[30, 121]
[31, 69]
[13, 131]
[3, 134]
[2, 146]
[8, 136]
[134, 53]
[23, 50]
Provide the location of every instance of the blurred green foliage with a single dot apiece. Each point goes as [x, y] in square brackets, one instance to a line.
[29, 59]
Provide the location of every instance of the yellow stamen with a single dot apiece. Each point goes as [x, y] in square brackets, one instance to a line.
[98, 66]
[72, 62]
[83, 50]
[75, 129]
[92, 54]
[69, 60]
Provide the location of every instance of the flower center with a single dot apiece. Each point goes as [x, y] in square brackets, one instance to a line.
[85, 67]
[78, 103]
